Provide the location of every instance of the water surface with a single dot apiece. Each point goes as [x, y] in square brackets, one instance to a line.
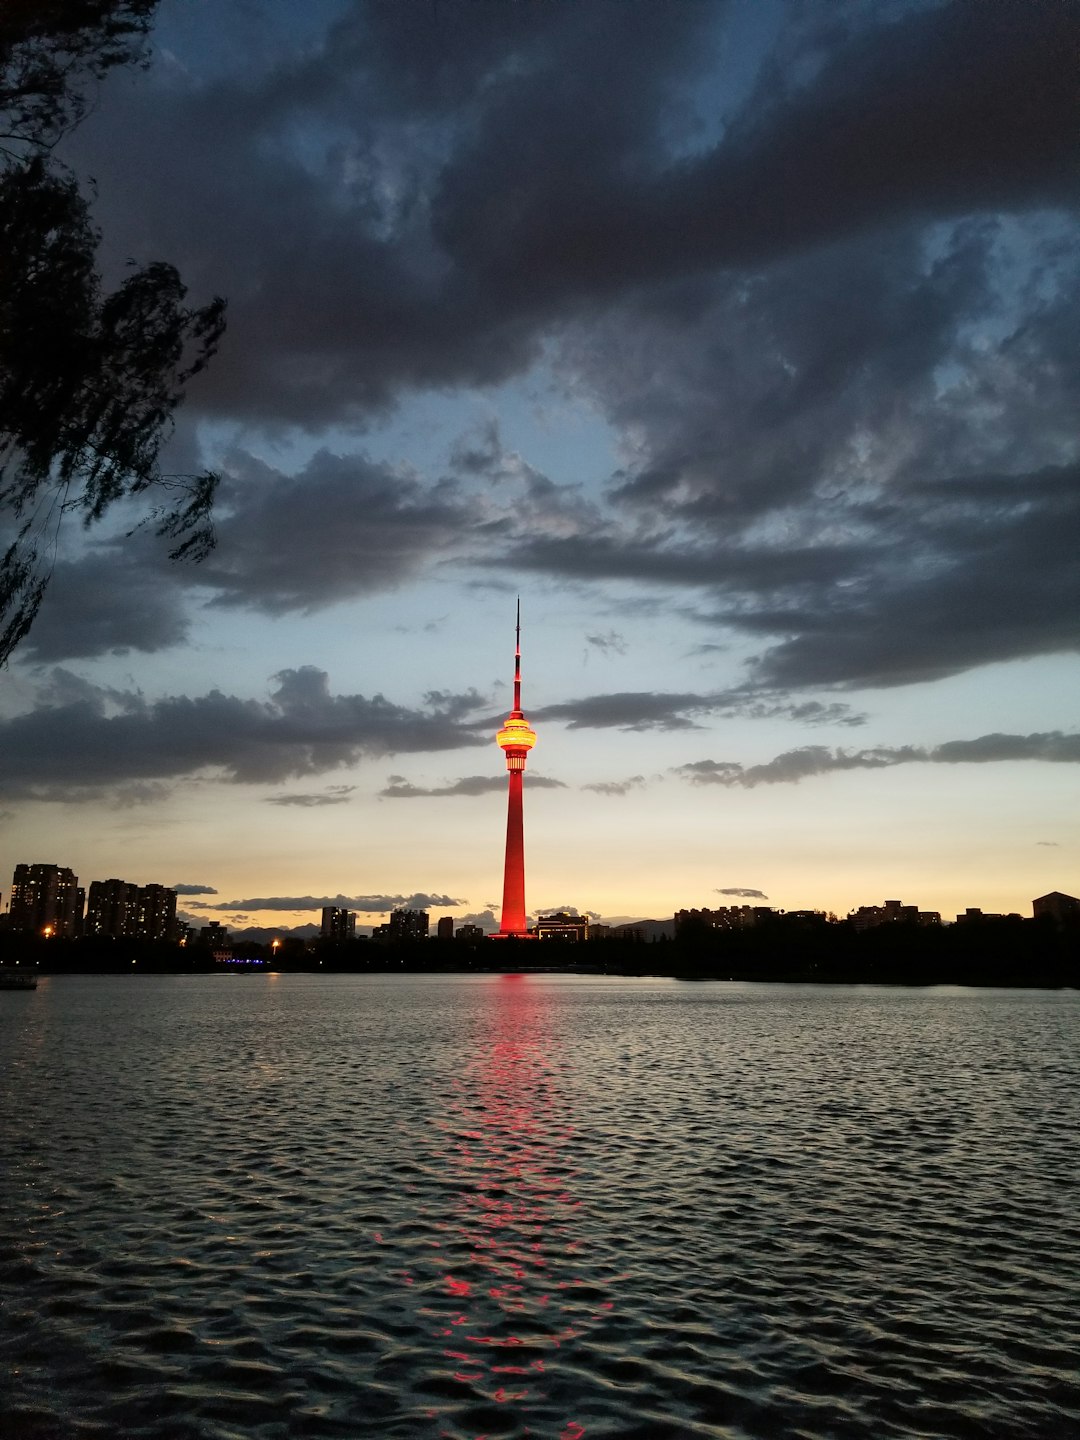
[298, 1206]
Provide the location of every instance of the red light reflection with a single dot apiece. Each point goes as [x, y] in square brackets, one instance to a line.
[510, 1252]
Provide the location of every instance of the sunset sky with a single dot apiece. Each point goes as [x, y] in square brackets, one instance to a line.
[740, 339]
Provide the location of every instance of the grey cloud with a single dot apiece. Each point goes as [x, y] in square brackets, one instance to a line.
[742, 893]
[187, 889]
[93, 742]
[1050, 844]
[110, 601]
[616, 787]
[610, 644]
[367, 904]
[454, 215]
[659, 710]
[332, 795]
[343, 526]
[340, 527]
[637, 710]
[485, 919]
[794, 765]
[398, 788]
[798, 309]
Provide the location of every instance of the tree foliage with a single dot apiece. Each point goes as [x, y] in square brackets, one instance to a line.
[89, 380]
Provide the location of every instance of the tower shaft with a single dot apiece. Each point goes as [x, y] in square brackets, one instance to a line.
[513, 904]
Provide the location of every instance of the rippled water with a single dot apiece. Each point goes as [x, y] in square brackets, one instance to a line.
[347, 1206]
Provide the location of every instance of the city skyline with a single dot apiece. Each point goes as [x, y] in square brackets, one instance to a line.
[757, 379]
[46, 900]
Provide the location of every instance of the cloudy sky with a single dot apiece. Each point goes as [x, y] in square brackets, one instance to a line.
[741, 339]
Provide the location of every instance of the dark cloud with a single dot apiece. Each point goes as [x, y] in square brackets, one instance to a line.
[1050, 844]
[187, 889]
[610, 644]
[112, 601]
[485, 919]
[341, 527]
[101, 738]
[658, 710]
[616, 787]
[479, 175]
[398, 788]
[742, 893]
[368, 904]
[332, 795]
[827, 297]
[794, 765]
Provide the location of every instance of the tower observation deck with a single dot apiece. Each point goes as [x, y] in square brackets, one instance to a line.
[515, 739]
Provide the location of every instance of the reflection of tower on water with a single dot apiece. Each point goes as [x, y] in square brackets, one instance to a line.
[510, 1295]
[515, 739]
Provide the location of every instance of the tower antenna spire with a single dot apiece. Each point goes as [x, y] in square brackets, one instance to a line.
[517, 660]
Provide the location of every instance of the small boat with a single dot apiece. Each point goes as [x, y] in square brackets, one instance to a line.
[17, 977]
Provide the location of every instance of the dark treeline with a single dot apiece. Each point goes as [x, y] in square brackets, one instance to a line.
[1005, 952]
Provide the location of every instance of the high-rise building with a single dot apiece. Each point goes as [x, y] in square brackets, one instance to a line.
[445, 928]
[515, 739]
[406, 925]
[112, 908]
[337, 925]
[157, 913]
[47, 900]
[118, 908]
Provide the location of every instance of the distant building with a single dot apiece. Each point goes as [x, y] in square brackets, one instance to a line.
[1062, 909]
[157, 913]
[974, 916]
[337, 925]
[403, 927]
[46, 899]
[117, 908]
[562, 926]
[445, 928]
[724, 917]
[112, 908]
[469, 933]
[892, 912]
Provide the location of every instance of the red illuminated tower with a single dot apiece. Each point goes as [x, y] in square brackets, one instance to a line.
[515, 739]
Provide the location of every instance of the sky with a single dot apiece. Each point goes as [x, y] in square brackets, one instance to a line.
[740, 339]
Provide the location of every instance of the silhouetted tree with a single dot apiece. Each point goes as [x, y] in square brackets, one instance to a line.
[88, 381]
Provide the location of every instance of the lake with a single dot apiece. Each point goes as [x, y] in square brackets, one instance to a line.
[560, 1207]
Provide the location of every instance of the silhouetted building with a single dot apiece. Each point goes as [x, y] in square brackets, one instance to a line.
[892, 912]
[1062, 909]
[562, 926]
[117, 908]
[724, 917]
[157, 913]
[338, 925]
[46, 899]
[445, 928]
[406, 925]
[469, 933]
[112, 908]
